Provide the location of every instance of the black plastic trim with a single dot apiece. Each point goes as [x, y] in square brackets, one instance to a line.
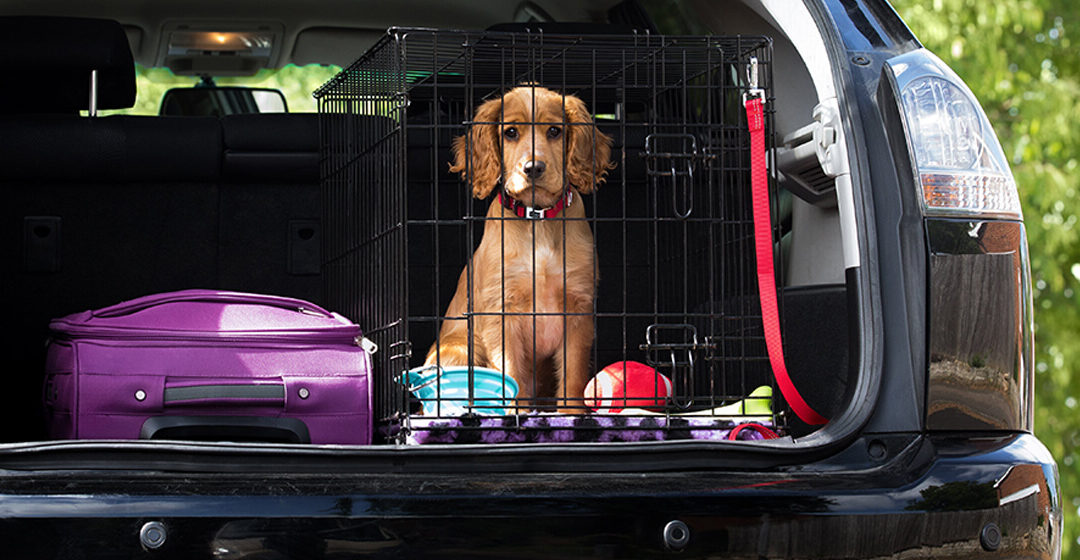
[865, 352]
[225, 428]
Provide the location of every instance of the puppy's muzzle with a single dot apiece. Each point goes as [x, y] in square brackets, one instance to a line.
[533, 169]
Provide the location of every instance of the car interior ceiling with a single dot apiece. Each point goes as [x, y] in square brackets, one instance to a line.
[233, 202]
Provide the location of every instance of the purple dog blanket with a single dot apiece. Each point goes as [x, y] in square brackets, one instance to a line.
[560, 428]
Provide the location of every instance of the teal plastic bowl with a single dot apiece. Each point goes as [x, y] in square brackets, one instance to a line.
[445, 391]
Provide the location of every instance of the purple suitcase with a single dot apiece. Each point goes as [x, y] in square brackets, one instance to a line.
[201, 364]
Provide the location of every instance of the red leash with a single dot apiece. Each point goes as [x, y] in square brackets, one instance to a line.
[766, 433]
[763, 245]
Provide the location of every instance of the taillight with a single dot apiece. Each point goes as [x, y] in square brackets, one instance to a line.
[959, 165]
[978, 331]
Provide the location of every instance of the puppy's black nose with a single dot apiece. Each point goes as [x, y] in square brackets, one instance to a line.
[534, 169]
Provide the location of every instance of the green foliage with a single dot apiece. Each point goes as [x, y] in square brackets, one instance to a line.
[296, 82]
[1019, 59]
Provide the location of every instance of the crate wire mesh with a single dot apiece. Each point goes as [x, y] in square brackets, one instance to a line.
[672, 224]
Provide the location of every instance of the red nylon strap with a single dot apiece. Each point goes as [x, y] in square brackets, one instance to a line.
[523, 211]
[763, 245]
[765, 432]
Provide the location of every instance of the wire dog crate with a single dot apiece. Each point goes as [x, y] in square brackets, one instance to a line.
[674, 273]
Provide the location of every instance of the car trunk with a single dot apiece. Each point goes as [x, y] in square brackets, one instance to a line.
[676, 276]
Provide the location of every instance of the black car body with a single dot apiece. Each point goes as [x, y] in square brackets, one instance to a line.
[929, 452]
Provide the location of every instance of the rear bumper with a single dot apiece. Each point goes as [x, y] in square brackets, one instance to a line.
[940, 497]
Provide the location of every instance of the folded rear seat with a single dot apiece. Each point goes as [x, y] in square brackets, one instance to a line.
[270, 209]
[281, 147]
[133, 198]
[96, 210]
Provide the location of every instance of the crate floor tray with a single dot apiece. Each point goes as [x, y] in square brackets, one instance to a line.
[749, 419]
[562, 428]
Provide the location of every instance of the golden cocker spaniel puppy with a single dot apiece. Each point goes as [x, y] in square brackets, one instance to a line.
[534, 273]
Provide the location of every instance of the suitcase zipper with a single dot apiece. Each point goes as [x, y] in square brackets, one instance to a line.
[366, 343]
[350, 338]
[186, 296]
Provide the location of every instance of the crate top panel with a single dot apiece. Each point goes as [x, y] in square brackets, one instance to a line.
[480, 62]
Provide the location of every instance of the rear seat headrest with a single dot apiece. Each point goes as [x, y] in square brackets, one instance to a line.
[47, 63]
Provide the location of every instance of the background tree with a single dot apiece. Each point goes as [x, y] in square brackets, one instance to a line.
[1019, 59]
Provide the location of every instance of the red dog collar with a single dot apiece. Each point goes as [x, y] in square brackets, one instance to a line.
[523, 211]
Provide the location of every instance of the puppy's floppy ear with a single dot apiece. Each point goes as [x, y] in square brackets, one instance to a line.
[481, 146]
[588, 154]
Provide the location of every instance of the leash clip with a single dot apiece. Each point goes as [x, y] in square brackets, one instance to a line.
[753, 90]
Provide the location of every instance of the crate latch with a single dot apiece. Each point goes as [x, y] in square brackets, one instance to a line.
[671, 348]
[670, 159]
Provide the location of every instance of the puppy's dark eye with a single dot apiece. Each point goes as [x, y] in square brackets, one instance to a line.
[510, 133]
[554, 132]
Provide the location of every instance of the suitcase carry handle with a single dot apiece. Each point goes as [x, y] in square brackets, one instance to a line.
[263, 394]
[140, 304]
[226, 428]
